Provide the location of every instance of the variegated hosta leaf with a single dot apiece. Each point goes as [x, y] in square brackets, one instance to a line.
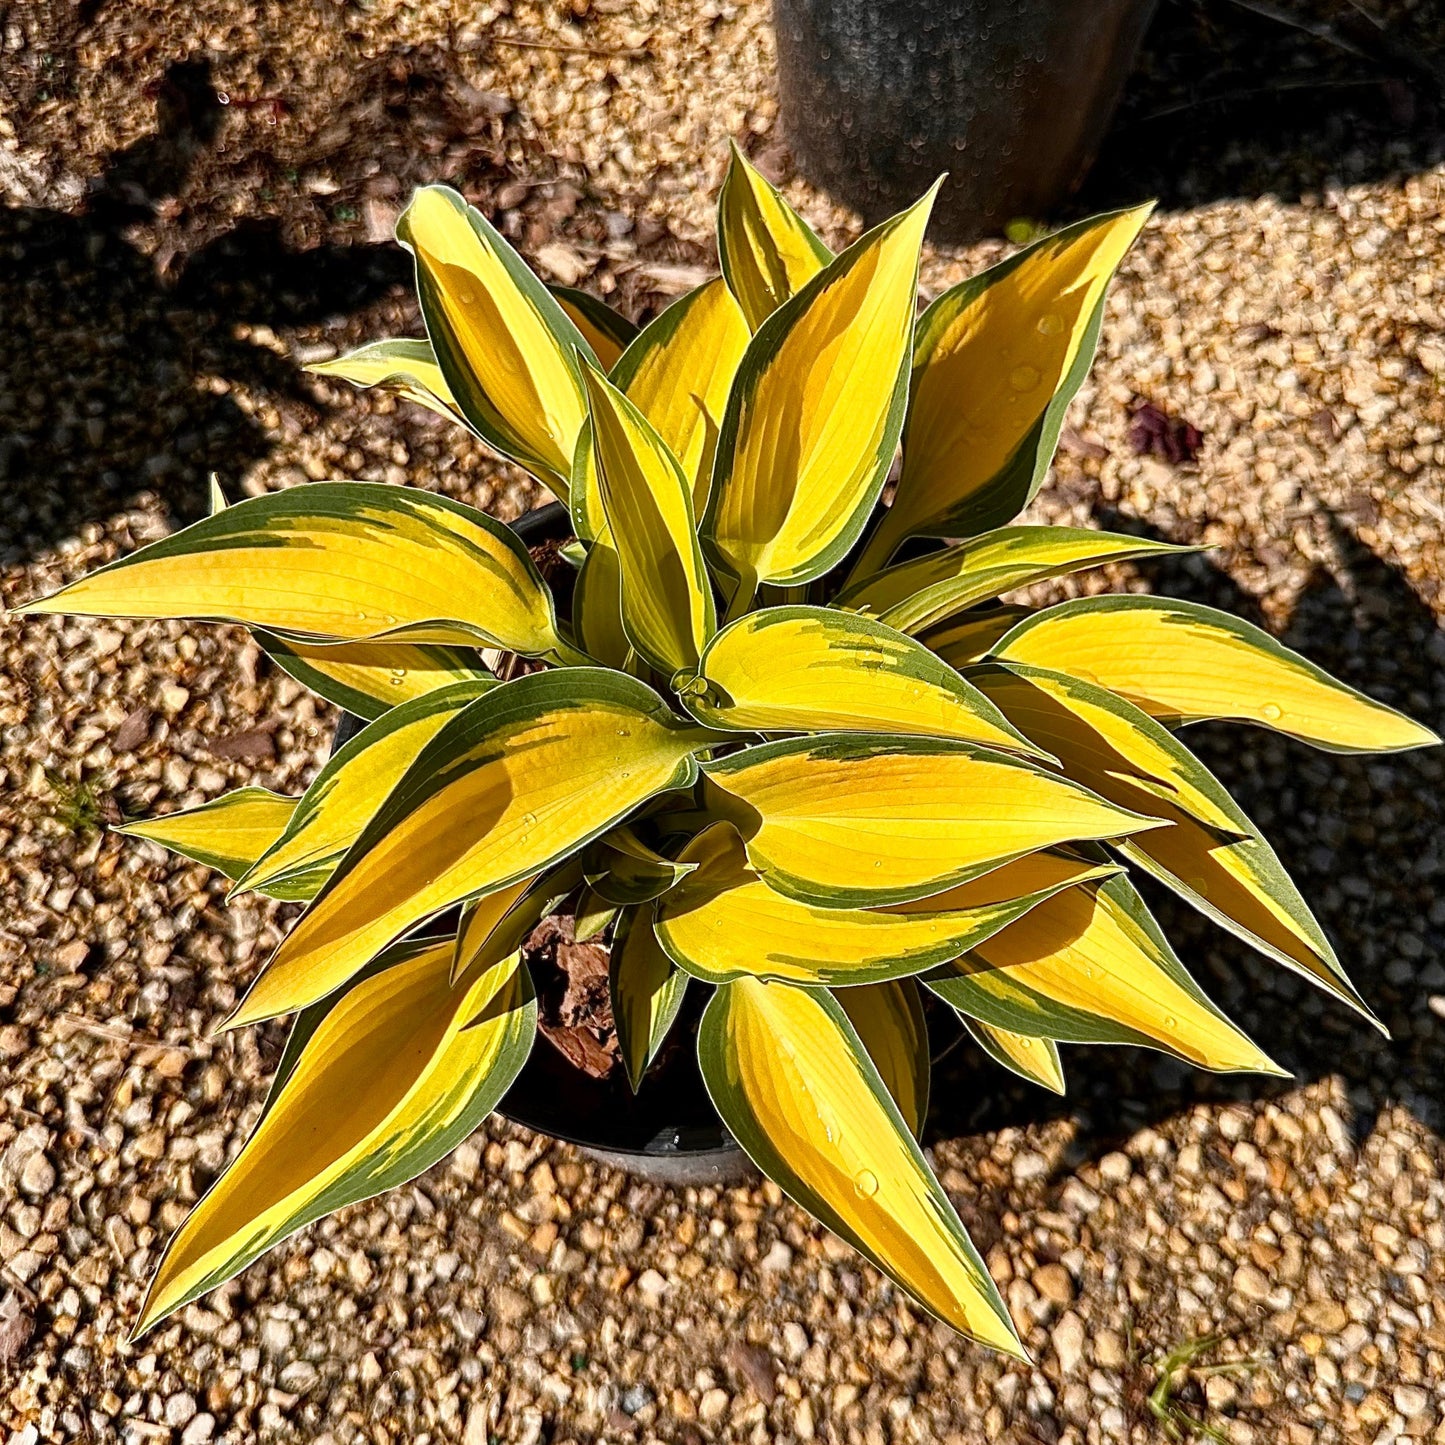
[795, 1086]
[351, 787]
[228, 834]
[403, 366]
[856, 821]
[606, 331]
[766, 250]
[1185, 663]
[646, 989]
[1090, 966]
[1108, 744]
[677, 373]
[597, 606]
[815, 669]
[593, 914]
[514, 783]
[996, 361]
[888, 1019]
[724, 921]
[1212, 855]
[667, 601]
[814, 414]
[375, 1086]
[367, 678]
[498, 923]
[624, 870]
[507, 349]
[1034, 1059]
[912, 596]
[972, 635]
[351, 561]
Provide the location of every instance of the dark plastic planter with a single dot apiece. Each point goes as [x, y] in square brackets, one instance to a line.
[1010, 97]
[669, 1132]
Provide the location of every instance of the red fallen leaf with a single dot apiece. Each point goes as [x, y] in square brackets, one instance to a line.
[17, 1325]
[134, 729]
[255, 746]
[1154, 432]
[754, 1367]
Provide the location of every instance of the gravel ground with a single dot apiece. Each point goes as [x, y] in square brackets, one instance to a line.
[172, 261]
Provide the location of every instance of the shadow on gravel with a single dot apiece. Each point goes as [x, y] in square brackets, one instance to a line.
[1367, 625]
[119, 379]
[1228, 99]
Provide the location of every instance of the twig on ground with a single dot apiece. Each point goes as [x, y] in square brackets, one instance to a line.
[519, 42]
[112, 1034]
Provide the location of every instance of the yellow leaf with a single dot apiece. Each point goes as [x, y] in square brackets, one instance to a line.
[723, 921]
[402, 366]
[888, 1019]
[912, 596]
[624, 870]
[796, 1088]
[1106, 744]
[506, 348]
[1089, 965]
[863, 820]
[814, 414]
[1212, 854]
[597, 606]
[498, 924]
[815, 669]
[646, 989]
[514, 783]
[375, 1087]
[972, 635]
[667, 601]
[350, 561]
[677, 373]
[1036, 1060]
[352, 786]
[367, 678]
[996, 361]
[767, 251]
[227, 834]
[606, 331]
[1184, 663]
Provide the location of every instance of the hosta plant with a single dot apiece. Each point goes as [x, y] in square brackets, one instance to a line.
[772, 747]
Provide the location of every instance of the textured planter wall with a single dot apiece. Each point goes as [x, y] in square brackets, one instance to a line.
[1011, 97]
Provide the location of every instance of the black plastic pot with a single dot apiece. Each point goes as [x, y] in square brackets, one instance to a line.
[668, 1132]
[1010, 97]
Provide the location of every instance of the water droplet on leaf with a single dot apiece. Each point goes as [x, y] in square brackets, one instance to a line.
[1050, 324]
[1024, 378]
[865, 1183]
[1272, 711]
